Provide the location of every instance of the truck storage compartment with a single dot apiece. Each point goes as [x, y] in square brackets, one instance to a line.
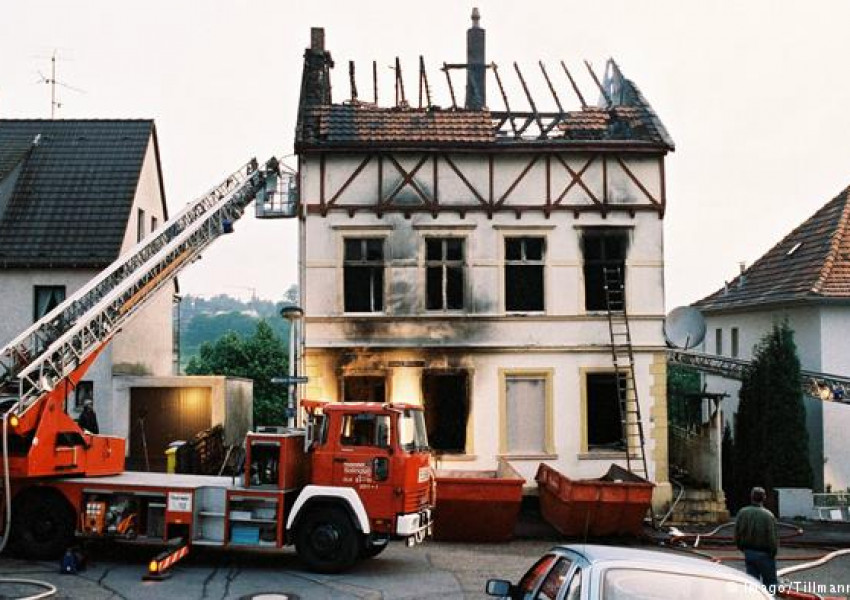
[614, 504]
[477, 506]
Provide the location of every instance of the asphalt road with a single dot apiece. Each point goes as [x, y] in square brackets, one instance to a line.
[434, 570]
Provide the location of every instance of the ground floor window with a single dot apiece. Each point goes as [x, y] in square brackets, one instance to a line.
[364, 388]
[525, 411]
[84, 392]
[604, 426]
[445, 396]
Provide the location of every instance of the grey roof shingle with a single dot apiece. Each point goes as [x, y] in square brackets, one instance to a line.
[66, 189]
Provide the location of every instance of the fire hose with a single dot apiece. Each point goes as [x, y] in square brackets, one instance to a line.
[50, 590]
[812, 561]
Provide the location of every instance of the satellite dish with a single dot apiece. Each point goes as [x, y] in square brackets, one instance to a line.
[684, 328]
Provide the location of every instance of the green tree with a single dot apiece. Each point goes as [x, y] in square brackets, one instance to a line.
[683, 383]
[771, 444]
[259, 358]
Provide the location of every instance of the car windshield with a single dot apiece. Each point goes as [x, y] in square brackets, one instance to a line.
[412, 434]
[640, 584]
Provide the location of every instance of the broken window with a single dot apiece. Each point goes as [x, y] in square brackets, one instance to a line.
[603, 248]
[444, 273]
[363, 275]
[604, 426]
[364, 388]
[83, 392]
[46, 298]
[525, 414]
[524, 273]
[445, 397]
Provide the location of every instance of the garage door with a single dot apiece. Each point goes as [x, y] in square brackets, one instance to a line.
[159, 416]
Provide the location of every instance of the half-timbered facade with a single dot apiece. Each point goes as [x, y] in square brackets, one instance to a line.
[455, 257]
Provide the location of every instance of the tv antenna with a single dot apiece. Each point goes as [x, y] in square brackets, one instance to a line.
[53, 82]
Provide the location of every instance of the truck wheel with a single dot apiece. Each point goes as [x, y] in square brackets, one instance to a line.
[42, 524]
[327, 541]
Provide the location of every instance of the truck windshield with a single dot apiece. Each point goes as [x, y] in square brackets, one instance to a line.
[412, 434]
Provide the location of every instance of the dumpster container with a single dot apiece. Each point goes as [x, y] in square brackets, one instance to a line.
[614, 504]
[477, 506]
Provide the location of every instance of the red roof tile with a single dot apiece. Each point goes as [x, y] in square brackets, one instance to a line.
[810, 263]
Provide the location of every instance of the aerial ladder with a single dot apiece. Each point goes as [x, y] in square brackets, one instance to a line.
[40, 367]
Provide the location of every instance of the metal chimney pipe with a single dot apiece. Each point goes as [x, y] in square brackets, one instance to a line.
[476, 61]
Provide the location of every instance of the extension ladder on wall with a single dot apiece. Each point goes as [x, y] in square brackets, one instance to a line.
[624, 368]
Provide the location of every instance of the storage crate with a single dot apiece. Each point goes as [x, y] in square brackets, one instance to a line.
[245, 534]
[267, 514]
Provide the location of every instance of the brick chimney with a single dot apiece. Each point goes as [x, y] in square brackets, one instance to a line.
[476, 69]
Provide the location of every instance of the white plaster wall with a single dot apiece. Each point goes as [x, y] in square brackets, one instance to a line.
[404, 275]
[145, 344]
[835, 340]
[836, 424]
[754, 325]
[452, 190]
[17, 305]
[813, 335]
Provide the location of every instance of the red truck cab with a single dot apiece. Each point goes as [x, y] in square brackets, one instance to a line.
[382, 452]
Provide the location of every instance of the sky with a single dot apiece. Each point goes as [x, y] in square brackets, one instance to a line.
[754, 94]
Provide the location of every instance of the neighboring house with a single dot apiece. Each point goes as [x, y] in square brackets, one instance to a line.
[74, 195]
[805, 279]
[451, 260]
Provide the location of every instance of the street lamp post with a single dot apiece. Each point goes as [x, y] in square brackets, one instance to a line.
[293, 314]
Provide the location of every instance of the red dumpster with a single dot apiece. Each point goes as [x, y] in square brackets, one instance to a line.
[477, 506]
[614, 504]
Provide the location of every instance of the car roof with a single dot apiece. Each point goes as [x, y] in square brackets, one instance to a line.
[595, 553]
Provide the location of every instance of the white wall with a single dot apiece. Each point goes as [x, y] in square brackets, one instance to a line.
[145, 344]
[17, 306]
[484, 338]
[835, 338]
[836, 467]
[821, 334]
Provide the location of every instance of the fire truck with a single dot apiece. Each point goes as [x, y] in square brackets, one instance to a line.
[339, 489]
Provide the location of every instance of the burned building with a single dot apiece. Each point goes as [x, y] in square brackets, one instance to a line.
[455, 256]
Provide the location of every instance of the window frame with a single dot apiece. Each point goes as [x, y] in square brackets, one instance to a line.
[548, 376]
[444, 263]
[735, 342]
[384, 263]
[718, 341]
[140, 224]
[586, 451]
[86, 385]
[542, 263]
[35, 294]
[604, 231]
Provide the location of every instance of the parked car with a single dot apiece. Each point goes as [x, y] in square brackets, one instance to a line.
[589, 572]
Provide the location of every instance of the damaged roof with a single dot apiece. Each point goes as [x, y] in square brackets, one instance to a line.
[629, 119]
[67, 188]
[622, 116]
[812, 263]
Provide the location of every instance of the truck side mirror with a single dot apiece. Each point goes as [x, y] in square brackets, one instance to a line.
[499, 587]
